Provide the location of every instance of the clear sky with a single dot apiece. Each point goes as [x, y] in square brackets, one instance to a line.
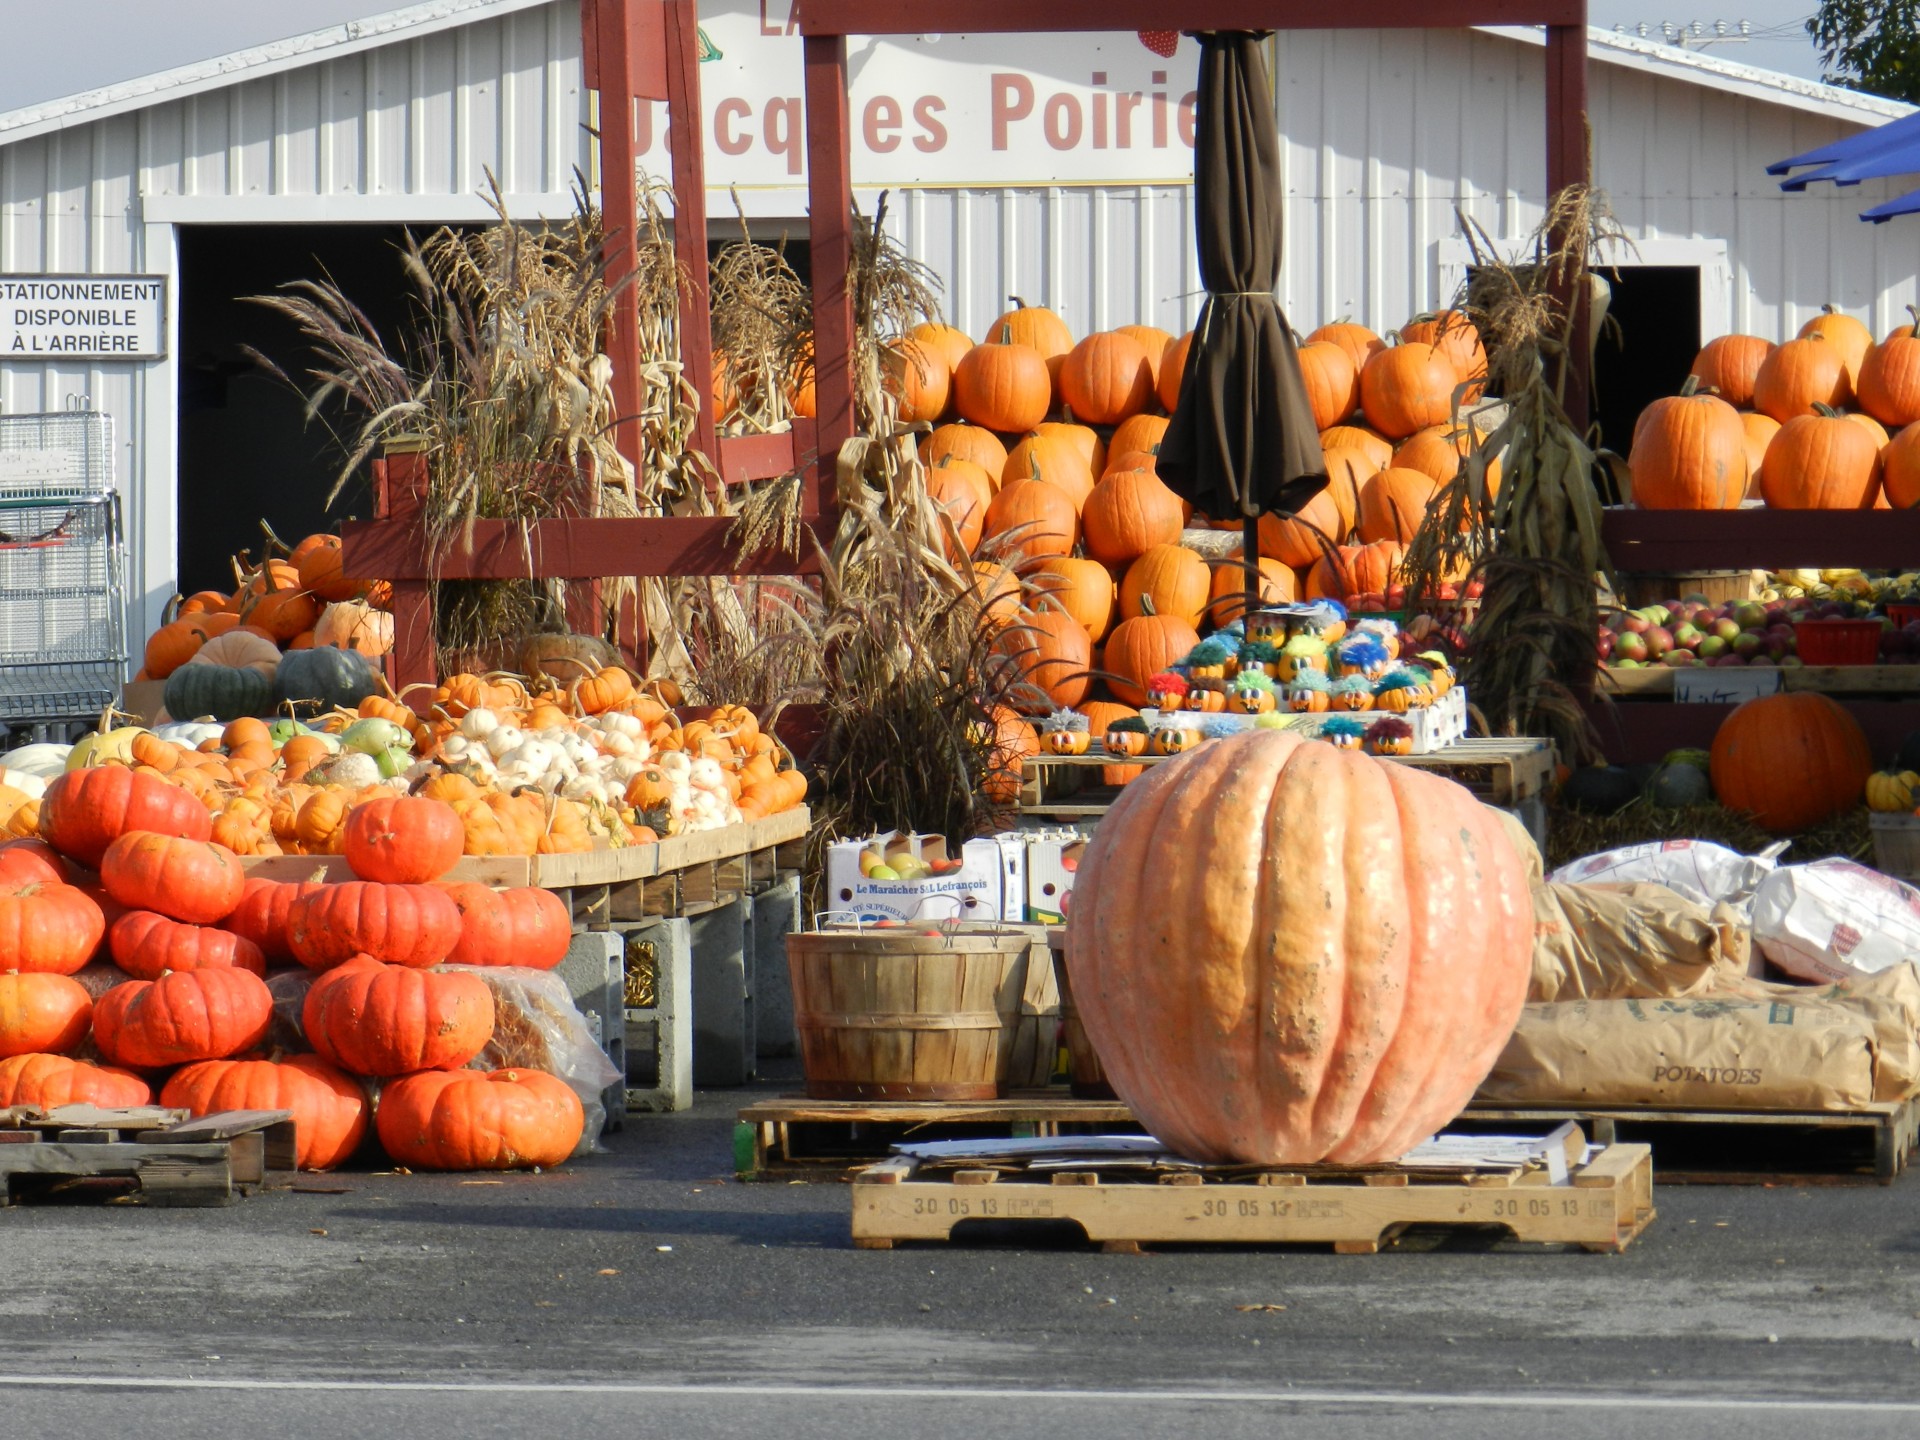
[57, 49]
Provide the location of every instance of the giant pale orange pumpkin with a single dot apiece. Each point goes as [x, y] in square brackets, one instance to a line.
[1052, 655]
[1360, 343]
[1801, 374]
[1890, 376]
[1355, 570]
[1106, 378]
[1285, 952]
[1299, 539]
[374, 1019]
[407, 925]
[919, 379]
[1227, 593]
[1394, 504]
[1821, 462]
[47, 927]
[403, 839]
[1173, 369]
[1689, 453]
[42, 1014]
[1331, 381]
[1127, 514]
[525, 925]
[1167, 580]
[1004, 387]
[1900, 469]
[966, 442]
[963, 490]
[86, 810]
[1055, 456]
[1790, 761]
[329, 1107]
[1082, 588]
[480, 1120]
[185, 1015]
[1408, 387]
[1033, 517]
[1140, 648]
[1729, 364]
[1851, 335]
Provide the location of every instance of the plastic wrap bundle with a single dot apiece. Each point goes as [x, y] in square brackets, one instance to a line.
[536, 1027]
[1835, 920]
[1698, 869]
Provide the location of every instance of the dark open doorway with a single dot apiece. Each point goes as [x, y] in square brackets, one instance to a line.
[1657, 309]
[248, 452]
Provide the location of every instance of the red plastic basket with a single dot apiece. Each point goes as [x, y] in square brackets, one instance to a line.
[1902, 613]
[1837, 642]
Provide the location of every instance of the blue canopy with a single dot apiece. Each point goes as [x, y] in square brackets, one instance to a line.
[1889, 149]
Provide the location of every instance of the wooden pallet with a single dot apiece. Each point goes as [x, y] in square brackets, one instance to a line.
[148, 1154]
[1874, 1142]
[794, 1138]
[1656, 682]
[1606, 1202]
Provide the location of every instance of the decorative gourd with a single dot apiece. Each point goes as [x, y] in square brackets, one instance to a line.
[1729, 365]
[1300, 539]
[44, 1081]
[1689, 453]
[1355, 570]
[974, 443]
[374, 1019]
[1331, 380]
[1125, 736]
[1167, 580]
[1127, 514]
[1394, 504]
[42, 1014]
[524, 926]
[329, 1107]
[1891, 792]
[1141, 648]
[355, 625]
[402, 840]
[146, 945]
[85, 811]
[1790, 761]
[1821, 461]
[1106, 378]
[1890, 376]
[480, 1120]
[1800, 374]
[323, 678]
[919, 378]
[1406, 388]
[1033, 517]
[1360, 343]
[1359, 940]
[183, 1016]
[192, 880]
[1053, 657]
[1082, 588]
[406, 925]
[1004, 387]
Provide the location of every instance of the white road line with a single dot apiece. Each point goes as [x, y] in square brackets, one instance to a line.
[1379, 1399]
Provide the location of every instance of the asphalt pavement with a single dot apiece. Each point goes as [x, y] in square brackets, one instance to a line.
[645, 1292]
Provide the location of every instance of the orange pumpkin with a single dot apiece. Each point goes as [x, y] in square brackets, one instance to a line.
[1355, 570]
[1360, 343]
[1438, 451]
[1338, 1005]
[1853, 338]
[1821, 462]
[1055, 457]
[997, 587]
[1375, 446]
[1106, 378]
[1900, 469]
[1010, 743]
[1689, 453]
[963, 490]
[919, 378]
[1227, 592]
[1890, 376]
[1790, 761]
[1394, 504]
[1406, 388]
[1454, 335]
[1298, 540]
[1173, 369]
[1154, 341]
[1003, 386]
[1084, 439]
[1332, 383]
[1800, 374]
[1052, 655]
[1140, 648]
[1759, 431]
[1167, 580]
[945, 341]
[1081, 588]
[1137, 433]
[1729, 365]
[1128, 513]
[172, 645]
[1033, 517]
[973, 443]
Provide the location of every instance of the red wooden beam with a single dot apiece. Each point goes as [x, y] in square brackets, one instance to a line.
[1680, 540]
[1568, 164]
[830, 208]
[682, 35]
[571, 548]
[980, 17]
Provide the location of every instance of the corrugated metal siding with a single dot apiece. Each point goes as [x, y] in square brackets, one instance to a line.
[428, 116]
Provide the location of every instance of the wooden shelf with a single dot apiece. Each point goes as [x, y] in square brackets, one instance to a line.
[1887, 681]
[1683, 540]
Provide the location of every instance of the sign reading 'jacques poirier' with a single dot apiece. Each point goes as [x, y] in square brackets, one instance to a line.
[83, 317]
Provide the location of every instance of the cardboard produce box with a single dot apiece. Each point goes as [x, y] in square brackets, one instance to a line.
[1053, 859]
[986, 881]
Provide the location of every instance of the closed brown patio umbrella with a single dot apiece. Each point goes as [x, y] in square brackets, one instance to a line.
[1242, 440]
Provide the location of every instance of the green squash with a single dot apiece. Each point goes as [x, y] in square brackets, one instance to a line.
[221, 691]
[1679, 783]
[323, 678]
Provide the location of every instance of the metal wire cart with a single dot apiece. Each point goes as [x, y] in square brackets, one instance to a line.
[63, 564]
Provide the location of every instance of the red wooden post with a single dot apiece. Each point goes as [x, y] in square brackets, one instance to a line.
[400, 492]
[830, 207]
[684, 139]
[1567, 164]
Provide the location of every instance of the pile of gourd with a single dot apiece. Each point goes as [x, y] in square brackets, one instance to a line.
[1044, 457]
[138, 960]
[1829, 420]
[599, 765]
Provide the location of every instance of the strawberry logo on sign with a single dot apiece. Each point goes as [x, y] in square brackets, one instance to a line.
[1162, 42]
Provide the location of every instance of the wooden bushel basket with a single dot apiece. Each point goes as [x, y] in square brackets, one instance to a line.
[906, 1014]
[1087, 1077]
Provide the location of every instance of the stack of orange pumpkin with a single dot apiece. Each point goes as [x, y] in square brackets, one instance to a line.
[1829, 420]
[303, 600]
[183, 956]
[1043, 457]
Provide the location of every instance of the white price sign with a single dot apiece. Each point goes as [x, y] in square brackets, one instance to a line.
[1728, 685]
[83, 317]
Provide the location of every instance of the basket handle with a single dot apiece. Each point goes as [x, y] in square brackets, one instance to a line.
[854, 915]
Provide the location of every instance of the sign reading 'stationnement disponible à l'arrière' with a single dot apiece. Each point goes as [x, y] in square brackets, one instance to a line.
[83, 317]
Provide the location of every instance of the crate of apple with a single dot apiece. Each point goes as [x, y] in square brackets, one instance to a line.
[1696, 631]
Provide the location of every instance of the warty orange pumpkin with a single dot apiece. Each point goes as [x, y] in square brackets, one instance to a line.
[185, 1015]
[42, 1014]
[329, 1107]
[49, 1080]
[374, 1019]
[408, 925]
[480, 1120]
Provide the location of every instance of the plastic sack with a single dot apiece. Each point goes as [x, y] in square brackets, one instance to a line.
[536, 1027]
[1698, 869]
[1620, 942]
[1835, 920]
[287, 1030]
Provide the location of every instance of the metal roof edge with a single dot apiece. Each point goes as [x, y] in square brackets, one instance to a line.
[1749, 81]
[334, 42]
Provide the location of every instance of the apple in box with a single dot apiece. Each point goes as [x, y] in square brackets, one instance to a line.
[1053, 859]
[903, 877]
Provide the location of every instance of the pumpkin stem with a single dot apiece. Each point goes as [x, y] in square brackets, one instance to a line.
[1146, 604]
[1006, 334]
[1691, 386]
[1913, 330]
[1826, 410]
[1018, 303]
